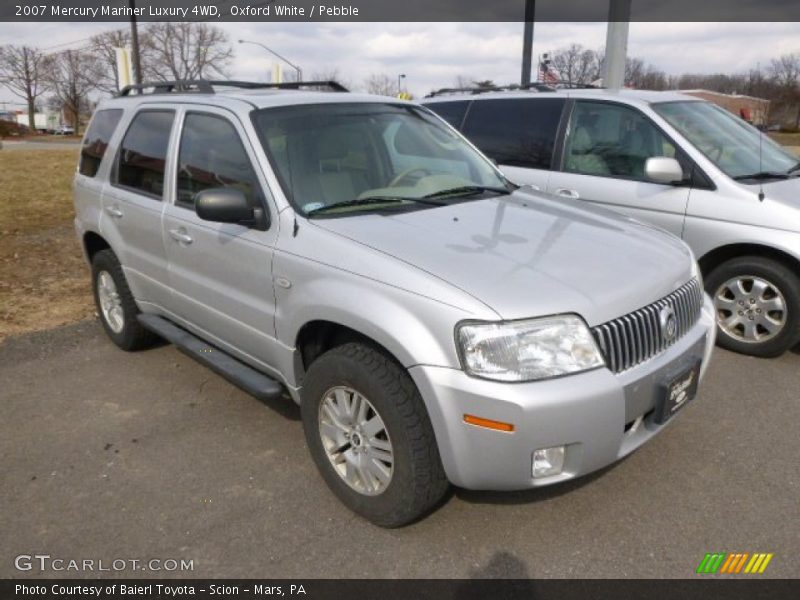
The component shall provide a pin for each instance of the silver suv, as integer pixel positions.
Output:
(670, 159)
(436, 324)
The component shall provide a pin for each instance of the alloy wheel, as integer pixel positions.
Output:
(356, 441)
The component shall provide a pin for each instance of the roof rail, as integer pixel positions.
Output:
(206, 86)
(536, 86)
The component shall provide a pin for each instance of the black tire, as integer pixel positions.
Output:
(780, 276)
(132, 336)
(418, 481)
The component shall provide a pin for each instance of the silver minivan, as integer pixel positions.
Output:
(677, 162)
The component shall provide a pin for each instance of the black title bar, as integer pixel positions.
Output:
(377, 589)
(395, 10)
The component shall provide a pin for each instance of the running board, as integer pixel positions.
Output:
(253, 382)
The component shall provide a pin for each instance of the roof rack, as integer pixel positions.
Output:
(206, 86)
(539, 87)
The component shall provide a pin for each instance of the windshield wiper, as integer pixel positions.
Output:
(370, 200)
(762, 175)
(466, 190)
(794, 169)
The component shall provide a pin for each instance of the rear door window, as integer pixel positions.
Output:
(452, 112)
(143, 153)
(518, 132)
(96, 140)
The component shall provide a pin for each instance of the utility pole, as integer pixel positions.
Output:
(619, 16)
(527, 41)
(137, 62)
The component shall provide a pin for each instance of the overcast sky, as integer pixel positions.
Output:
(432, 55)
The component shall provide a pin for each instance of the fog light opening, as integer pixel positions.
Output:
(548, 461)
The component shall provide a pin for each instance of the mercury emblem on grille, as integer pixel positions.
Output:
(669, 324)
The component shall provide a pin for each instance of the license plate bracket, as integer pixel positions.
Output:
(677, 392)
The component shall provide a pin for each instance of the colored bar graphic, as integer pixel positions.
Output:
(734, 563)
(711, 562)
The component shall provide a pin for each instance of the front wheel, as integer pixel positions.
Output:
(757, 301)
(370, 436)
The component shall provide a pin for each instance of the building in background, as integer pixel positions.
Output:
(751, 109)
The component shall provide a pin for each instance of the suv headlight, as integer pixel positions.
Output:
(527, 350)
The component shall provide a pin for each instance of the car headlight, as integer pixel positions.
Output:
(527, 350)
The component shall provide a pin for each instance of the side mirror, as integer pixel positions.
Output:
(661, 169)
(228, 205)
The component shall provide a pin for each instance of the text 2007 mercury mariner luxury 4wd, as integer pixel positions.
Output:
(435, 323)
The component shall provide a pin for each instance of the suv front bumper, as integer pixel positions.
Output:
(594, 414)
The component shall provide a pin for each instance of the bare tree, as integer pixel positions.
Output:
(185, 51)
(70, 75)
(575, 65)
(644, 76)
(22, 71)
(463, 82)
(330, 74)
(785, 72)
(381, 84)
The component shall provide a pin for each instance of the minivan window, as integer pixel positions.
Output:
(371, 156)
(143, 152)
(212, 155)
(518, 132)
(736, 147)
(612, 140)
(452, 112)
(96, 140)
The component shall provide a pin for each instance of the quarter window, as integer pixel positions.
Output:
(96, 140)
(143, 153)
(612, 140)
(518, 132)
(212, 156)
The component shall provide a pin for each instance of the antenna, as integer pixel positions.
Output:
(760, 164)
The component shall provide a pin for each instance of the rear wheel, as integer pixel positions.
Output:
(370, 436)
(115, 304)
(757, 301)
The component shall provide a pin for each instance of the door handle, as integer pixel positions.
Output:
(567, 193)
(114, 212)
(180, 236)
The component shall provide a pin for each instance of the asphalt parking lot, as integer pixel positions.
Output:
(111, 455)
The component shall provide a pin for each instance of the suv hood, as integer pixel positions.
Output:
(527, 255)
(786, 192)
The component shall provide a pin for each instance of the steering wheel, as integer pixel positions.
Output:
(402, 175)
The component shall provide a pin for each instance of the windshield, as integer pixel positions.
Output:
(341, 158)
(728, 141)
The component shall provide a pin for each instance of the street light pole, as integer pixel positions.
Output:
(400, 85)
(271, 51)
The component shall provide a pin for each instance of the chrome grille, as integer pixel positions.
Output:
(636, 337)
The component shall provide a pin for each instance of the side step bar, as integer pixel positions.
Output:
(253, 382)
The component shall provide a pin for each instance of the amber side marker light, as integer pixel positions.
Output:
(488, 423)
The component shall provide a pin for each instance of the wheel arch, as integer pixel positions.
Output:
(316, 337)
(93, 243)
(714, 258)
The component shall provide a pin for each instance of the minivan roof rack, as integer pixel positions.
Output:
(206, 86)
(536, 86)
